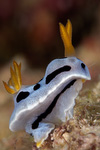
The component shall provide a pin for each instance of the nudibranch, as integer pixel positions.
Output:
(39, 107)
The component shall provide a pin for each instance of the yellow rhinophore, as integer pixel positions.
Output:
(15, 82)
(66, 35)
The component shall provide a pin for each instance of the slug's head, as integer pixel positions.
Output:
(66, 69)
(15, 82)
(66, 35)
(70, 66)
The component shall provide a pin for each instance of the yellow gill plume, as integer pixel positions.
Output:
(66, 35)
(15, 82)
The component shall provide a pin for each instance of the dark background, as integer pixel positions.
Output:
(31, 28)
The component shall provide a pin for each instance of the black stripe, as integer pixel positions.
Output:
(36, 87)
(21, 96)
(56, 72)
(52, 105)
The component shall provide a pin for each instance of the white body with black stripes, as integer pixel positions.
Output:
(38, 108)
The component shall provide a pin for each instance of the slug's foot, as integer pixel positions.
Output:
(41, 132)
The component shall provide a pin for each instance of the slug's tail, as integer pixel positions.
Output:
(66, 35)
(15, 82)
